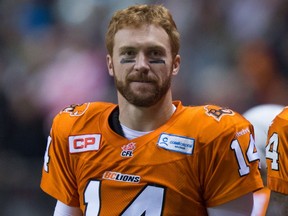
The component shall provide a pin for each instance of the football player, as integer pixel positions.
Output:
(277, 160)
(261, 117)
(148, 154)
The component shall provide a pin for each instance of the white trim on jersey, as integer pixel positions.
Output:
(132, 134)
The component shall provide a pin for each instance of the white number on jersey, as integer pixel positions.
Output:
(92, 198)
(251, 154)
(46, 156)
(148, 202)
(272, 151)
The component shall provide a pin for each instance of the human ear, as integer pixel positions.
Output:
(176, 65)
(110, 65)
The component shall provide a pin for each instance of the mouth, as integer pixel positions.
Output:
(142, 84)
(142, 80)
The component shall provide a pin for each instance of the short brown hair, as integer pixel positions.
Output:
(138, 15)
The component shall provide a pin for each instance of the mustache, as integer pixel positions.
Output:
(141, 78)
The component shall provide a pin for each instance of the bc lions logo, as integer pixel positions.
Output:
(76, 109)
(217, 112)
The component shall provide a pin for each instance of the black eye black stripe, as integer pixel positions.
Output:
(158, 61)
(123, 61)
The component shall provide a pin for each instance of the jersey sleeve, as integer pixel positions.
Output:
(58, 179)
(229, 163)
(277, 154)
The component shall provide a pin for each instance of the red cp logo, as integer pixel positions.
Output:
(81, 143)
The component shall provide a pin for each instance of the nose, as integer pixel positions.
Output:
(142, 63)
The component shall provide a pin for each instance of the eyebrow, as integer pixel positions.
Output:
(125, 48)
(154, 47)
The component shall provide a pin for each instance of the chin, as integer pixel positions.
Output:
(143, 102)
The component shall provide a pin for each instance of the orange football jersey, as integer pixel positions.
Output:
(202, 157)
(277, 153)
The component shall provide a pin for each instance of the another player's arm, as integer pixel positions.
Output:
(62, 209)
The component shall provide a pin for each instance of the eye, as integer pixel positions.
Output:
(156, 53)
(128, 53)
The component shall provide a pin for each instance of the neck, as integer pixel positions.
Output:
(146, 118)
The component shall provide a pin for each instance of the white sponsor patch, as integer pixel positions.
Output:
(83, 143)
(176, 143)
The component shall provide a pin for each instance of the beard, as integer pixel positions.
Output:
(143, 96)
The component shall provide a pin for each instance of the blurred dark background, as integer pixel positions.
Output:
(52, 54)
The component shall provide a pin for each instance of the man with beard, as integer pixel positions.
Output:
(149, 155)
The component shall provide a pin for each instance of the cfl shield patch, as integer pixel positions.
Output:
(127, 150)
(176, 143)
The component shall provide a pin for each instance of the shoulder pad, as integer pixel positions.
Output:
(217, 112)
(76, 109)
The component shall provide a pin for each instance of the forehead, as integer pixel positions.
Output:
(145, 35)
